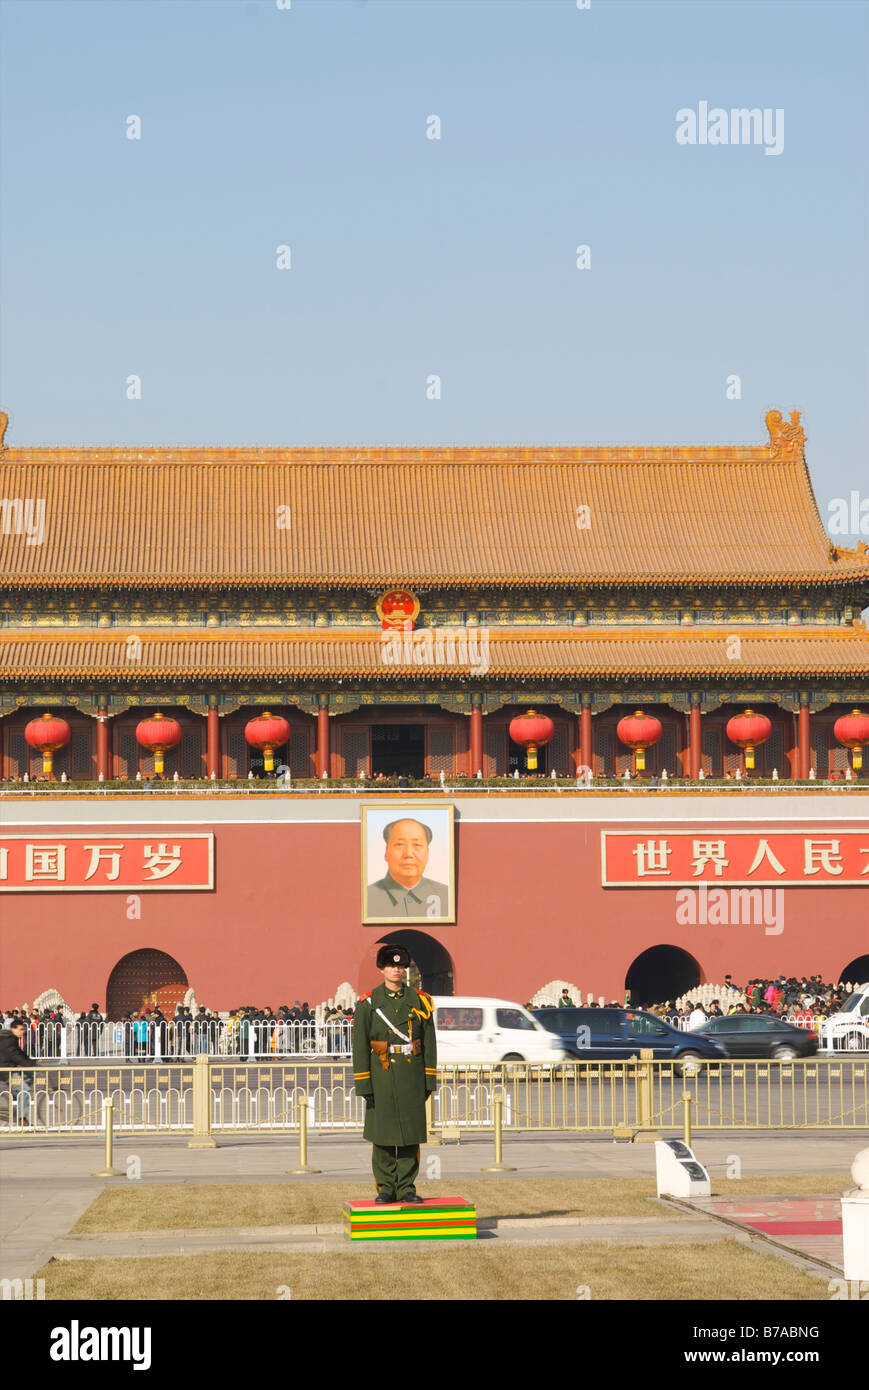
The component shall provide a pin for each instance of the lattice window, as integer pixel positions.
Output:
(355, 749)
(840, 759)
(624, 759)
(711, 760)
(191, 754)
(18, 754)
(81, 758)
(127, 754)
(774, 752)
(300, 763)
(604, 759)
(441, 751)
(667, 757)
(235, 755)
(558, 754)
(495, 757)
(820, 752)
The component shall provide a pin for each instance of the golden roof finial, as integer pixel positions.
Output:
(785, 440)
(4, 423)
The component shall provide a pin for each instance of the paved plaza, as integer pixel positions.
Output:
(47, 1186)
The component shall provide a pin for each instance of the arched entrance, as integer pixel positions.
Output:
(431, 968)
(145, 979)
(660, 973)
(857, 973)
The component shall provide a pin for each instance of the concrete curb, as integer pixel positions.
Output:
(333, 1228)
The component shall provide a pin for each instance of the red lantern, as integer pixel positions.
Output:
(639, 731)
(158, 734)
(531, 731)
(47, 734)
(853, 730)
(267, 732)
(747, 731)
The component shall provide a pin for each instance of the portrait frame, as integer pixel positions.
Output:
(440, 865)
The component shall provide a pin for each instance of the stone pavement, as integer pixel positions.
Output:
(46, 1184)
(808, 1225)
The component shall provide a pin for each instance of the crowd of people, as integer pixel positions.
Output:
(252, 1030)
(803, 1000)
(809, 997)
(248, 1030)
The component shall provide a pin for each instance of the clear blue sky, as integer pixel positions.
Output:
(410, 257)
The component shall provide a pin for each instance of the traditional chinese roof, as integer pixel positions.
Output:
(632, 654)
(148, 518)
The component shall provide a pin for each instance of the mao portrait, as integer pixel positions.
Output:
(408, 870)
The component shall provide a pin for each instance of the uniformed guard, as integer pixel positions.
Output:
(395, 1069)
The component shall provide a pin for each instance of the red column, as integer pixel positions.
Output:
(695, 741)
(804, 741)
(212, 742)
(585, 735)
(476, 737)
(323, 736)
(104, 754)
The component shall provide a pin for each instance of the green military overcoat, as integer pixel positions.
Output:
(397, 1115)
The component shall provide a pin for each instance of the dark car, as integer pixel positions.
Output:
(759, 1035)
(617, 1034)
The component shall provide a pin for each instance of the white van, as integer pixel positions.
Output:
(848, 1030)
(472, 1029)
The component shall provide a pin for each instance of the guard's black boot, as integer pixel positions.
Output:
(410, 1198)
(385, 1199)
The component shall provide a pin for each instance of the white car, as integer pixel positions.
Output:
(848, 1030)
(473, 1029)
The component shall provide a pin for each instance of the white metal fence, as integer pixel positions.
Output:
(265, 1040)
(145, 1040)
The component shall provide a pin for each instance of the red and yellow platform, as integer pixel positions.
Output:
(435, 1218)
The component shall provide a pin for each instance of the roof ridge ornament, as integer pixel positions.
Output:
(785, 440)
(4, 425)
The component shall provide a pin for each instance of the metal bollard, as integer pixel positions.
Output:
(686, 1118)
(304, 1166)
(201, 1138)
(499, 1166)
(109, 1120)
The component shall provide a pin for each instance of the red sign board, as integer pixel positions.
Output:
(678, 858)
(106, 863)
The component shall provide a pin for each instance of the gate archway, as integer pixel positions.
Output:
(660, 973)
(431, 965)
(856, 973)
(145, 979)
